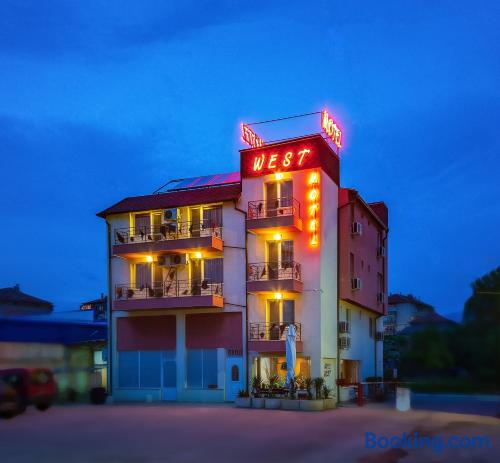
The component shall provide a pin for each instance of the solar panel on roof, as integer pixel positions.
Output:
(206, 180)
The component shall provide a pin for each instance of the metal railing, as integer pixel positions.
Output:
(274, 271)
(272, 331)
(273, 208)
(174, 288)
(166, 231)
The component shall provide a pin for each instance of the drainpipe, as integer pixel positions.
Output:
(109, 312)
(246, 294)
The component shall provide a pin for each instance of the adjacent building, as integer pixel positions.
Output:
(206, 278)
(402, 310)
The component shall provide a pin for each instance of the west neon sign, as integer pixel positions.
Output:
(331, 128)
(250, 137)
(271, 162)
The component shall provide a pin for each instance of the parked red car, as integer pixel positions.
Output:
(34, 386)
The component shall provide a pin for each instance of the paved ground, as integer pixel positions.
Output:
(200, 433)
(487, 405)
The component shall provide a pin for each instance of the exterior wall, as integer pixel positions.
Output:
(364, 348)
(367, 265)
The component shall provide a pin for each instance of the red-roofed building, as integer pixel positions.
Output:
(207, 278)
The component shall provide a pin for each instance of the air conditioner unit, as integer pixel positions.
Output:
(344, 327)
(356, 283)
(344, 342)
(380, 297)
(356, 228)
(172, 260)
(170, 215)
(381, 251)
(379, 336)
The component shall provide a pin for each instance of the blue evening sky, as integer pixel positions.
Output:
(105, 99)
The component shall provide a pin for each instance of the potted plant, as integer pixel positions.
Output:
(318, 385)
(290, 403)
(243, 400)
(312, 404)
(257, 399)
(328, 402)
(271, 401)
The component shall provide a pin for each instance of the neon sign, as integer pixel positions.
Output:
(313, 208)
(279, 161)
(331, 128)
(250, 137)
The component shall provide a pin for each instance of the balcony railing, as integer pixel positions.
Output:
(273, 208)
(166, 231)
(174, 288)
(274, 271)
(272, 331)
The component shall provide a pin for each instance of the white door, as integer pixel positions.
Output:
(234, 377)
(169, 375)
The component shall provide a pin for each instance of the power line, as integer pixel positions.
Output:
(284, 118)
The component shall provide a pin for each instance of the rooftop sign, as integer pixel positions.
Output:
(250, 137)
(331, 128)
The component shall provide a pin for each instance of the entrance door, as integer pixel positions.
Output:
(272, 259)
(234, 377)
(169, 375)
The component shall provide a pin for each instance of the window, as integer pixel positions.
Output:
(213, 270)
(235, 373)
(201, 368)
(128, 363)
(371, 327)
(142, 275)
(212, 217)
(286, 254)
(288, 311)
(150, 369)
(281, 311)
(278, 197)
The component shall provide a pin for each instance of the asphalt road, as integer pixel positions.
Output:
(199, 433)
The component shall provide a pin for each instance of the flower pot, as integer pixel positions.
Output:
(243, 402)
(290, 404)
(311, 405)
(258, 402)
(273, 404)
(328, 404)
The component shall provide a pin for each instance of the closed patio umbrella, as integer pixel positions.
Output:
(291, 352)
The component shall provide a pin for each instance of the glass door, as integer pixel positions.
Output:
(273, 259)
(271, 199)
(195, 225)
(169, 375)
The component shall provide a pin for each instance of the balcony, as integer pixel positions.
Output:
(274, 277)
(277, 215)
(176, 294)
(168, 237)
(271, 337)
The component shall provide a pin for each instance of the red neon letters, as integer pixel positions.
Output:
(331, 129)
(280, 161)
(313, 208)
(250, 137)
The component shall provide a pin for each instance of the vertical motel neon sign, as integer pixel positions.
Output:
(250, 137)
(331, 128)
(313, 208)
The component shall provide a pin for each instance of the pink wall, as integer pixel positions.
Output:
(212, 330)
(146, 333)
(367, 264)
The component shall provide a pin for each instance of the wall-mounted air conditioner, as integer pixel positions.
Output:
(344, 342)
(172, 260)
(170, 215)
(344, 327)
(356, 283)
(356, 228)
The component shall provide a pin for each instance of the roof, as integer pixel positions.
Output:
(16, 296)
(206, 180)
(177, 198)
(378, 210)
(408, 299)
(432, 319)
(51, 331)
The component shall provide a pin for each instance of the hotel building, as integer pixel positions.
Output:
(205, 278)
